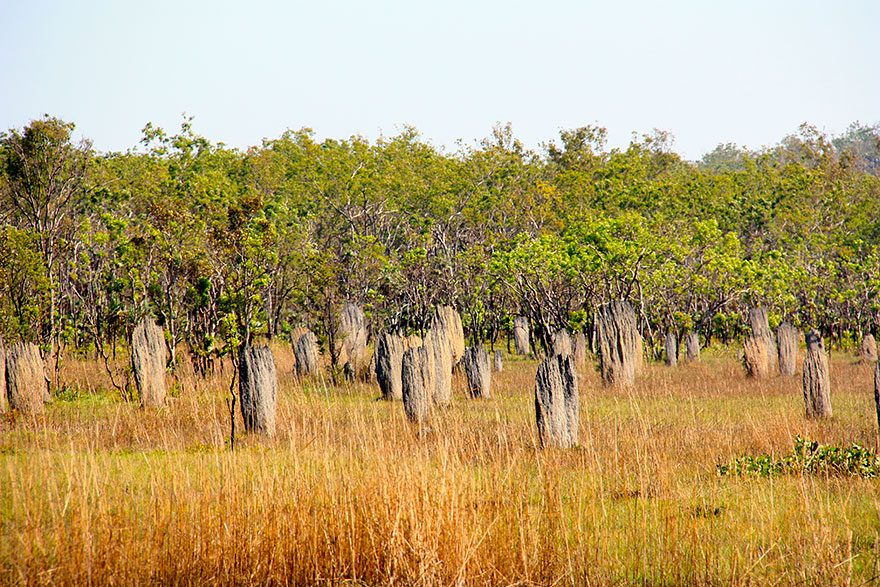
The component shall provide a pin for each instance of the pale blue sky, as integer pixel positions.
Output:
(742, 71)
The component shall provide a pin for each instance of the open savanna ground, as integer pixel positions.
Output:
(100, 491)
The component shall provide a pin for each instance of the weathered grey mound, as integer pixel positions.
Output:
(869, 348)
(498, 363)
(353, 328)
(692, 346)
(441, 352)
(562, 343)
(521, 335)
(448, 322)
(306, 352)
(620, 344)
(557, 402)
(877, 394)
(580, 350)
(389, 358)
(787, 339)
(258, 389)
(671, 347)
(817, 383)
(417, 379)
(755, 358)
(26, 386)
(148, 356)
(476, 367)
(4, 402)
(763, 336)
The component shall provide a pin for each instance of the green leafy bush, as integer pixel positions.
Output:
(809, 458)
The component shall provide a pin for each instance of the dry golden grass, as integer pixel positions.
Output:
(348, 493)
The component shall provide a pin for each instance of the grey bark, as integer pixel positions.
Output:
(417, 382)
(817, 383)
(787, 340)
(148, 357)
(4, 402)
(448, 322)
(562, 343)
(521, 335)
(389, 358)
(869, 348)
(258, 389)
(692, 346)
(557, 409)
(580, 350)
(441, 351)
(619, 343)
(476, 367)
(27, 388)
(671, 348)
(498, 362)
(306, 352)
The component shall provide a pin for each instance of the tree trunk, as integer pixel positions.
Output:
(671, 347)
(417, 382)
(692, 346)
(476, 367)
(148, 360)
(557, 402)
(619, 343)
(817, 384)
(306, 352)
(258, 389)
(26, 384)
(787, 339)
(521, 335)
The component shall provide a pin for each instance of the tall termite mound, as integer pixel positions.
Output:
(580, 350)
(27, 389)
(498, 362)
(476, 367)
(306, 352)
(562, 343)
(353, 328)
(869, 348)
(670, 345)
(692, 346)
(787, 341)
(4, 402)
(448, 322)
(148, 356)
(389, 361)
(619, 343)
(817, 383)
(521, 335)
(258, 389)
(759, 350)
(417, 382)
(557, 402)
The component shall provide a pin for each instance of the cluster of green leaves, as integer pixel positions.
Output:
(808, 458)
(224, 245)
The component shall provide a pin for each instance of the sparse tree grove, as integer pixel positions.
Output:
(222, 247)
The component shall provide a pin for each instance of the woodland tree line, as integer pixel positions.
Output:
(224, 246)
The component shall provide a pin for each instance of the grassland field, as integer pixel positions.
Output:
(99, 491)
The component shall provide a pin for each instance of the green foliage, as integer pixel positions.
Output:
(808, 458)
(24, 285)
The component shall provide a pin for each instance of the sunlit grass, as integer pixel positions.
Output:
(98, 490)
